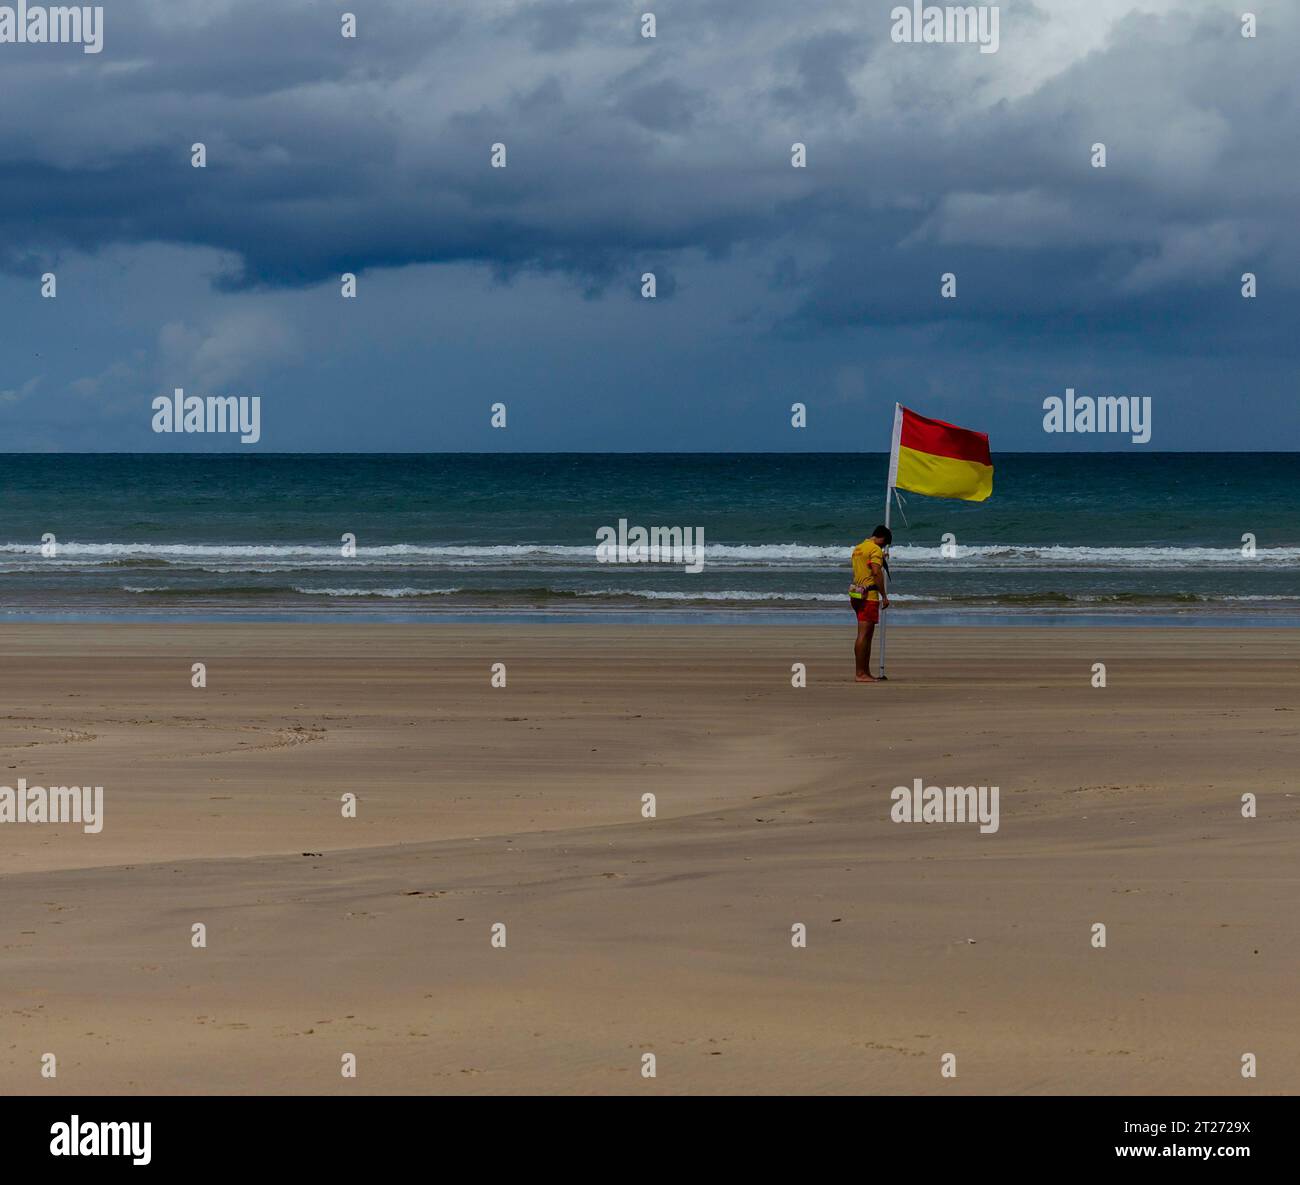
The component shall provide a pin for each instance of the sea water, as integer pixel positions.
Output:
(1204, 536)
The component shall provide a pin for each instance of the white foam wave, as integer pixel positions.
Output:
(270, 558)
(376, 592)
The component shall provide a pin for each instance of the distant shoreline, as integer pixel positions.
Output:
(1208, 618)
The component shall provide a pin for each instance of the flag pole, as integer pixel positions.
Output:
(890, 477)
(883, 617)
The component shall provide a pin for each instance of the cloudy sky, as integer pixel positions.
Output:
(625, 155)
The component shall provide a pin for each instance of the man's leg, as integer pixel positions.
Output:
(862, 651)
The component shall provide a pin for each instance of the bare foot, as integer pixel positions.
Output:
(865, 679)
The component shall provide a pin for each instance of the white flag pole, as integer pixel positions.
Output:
(890, 479)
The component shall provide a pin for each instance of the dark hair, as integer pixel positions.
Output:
(883, 532)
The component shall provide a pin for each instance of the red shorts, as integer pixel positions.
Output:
(866, 610)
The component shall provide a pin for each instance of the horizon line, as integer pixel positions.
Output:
(266, 453)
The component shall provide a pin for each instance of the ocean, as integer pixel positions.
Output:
(1120, 535)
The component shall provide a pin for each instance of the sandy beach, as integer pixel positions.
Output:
(522, 805)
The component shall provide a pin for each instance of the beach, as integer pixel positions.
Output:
(524, 805)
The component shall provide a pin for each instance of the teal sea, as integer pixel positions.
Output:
(262, 535)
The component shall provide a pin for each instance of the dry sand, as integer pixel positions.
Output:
(673, 935)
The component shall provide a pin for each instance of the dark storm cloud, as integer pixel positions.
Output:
(662, 106)
(327, 155)
(822, 66)
(554, 25)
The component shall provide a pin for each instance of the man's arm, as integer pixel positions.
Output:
(878, 576)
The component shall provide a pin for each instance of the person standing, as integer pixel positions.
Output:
(868, 596)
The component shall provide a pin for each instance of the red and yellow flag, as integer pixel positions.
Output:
(942, 460)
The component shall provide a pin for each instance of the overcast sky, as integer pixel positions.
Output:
(625, 155)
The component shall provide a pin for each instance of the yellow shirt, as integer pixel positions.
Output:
(864, 555)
